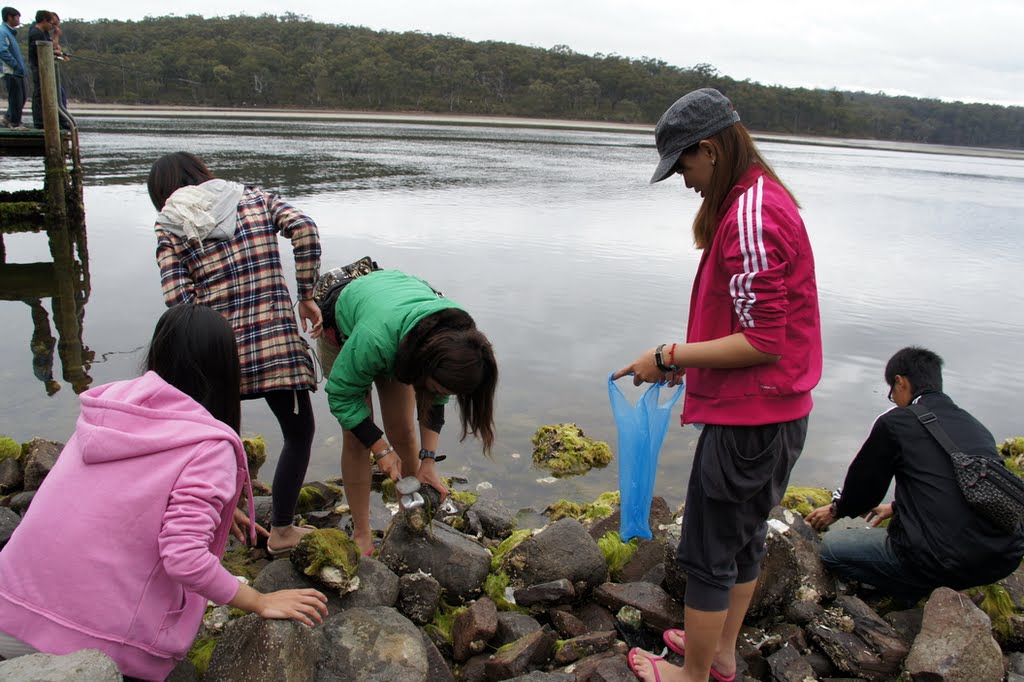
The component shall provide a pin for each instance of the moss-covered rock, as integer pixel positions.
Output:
(444, 620)
(505, 546)
(995, 601)
(464, 497)
(805, 500)
(329, 556)
(200, 653)
(255, 454)
(601, 508)
(1012, 451)
(564, 450)
(9, 448)
(616, 552)
(239, 561)
(314, 497)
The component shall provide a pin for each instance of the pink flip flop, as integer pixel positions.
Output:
(637, 651)
(681, 650)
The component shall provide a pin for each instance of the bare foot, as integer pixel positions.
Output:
(724, 665)
(650, 668)
(364, 541)
(283, 538)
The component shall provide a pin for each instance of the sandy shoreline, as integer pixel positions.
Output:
(150, 111)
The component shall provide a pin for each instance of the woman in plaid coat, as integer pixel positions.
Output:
(217, 246)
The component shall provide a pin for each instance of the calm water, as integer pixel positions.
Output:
(571, 264)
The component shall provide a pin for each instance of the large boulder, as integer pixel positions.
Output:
(378, 586)
(282, 575)
(372, 644)
(11, 476)
(39, 458)
(8, 522)
(816, 583)
(562, 550)
(657, 609)
(87, 664)
(496, 520)
(458, 562)
(254, 649)
(955, 643)
(858, 640)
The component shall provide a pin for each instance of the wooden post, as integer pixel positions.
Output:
(55, 170)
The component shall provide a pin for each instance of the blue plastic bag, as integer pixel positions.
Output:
(642, 430)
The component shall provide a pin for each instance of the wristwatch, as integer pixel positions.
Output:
(430, 454)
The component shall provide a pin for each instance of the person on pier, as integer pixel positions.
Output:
(12, 66)
(217, 244)
(751, 357)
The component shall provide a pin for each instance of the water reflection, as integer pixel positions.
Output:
(65, 282)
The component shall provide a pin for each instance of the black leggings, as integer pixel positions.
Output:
(294, 413)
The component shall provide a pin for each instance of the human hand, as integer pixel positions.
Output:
(878, 514)
(429, 474)
(391, 465)
(305, 605)
(310, 318)
(645, 370)
(240, 526)
(821, 518)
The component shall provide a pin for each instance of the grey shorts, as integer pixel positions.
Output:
(739, 474)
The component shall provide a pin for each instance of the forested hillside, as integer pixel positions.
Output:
(293, 62)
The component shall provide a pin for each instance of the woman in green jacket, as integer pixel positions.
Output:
(418, 348)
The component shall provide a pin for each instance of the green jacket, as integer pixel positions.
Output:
(375, 312)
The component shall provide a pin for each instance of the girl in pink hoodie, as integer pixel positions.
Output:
(120, 550)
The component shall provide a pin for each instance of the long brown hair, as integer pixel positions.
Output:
(173, 171)
(447, 347)
(735, 152)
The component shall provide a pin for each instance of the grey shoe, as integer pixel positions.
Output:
(4, 123)
(19, 127)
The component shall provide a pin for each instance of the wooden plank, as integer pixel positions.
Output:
(27, 280)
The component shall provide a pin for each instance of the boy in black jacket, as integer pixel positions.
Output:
(934, 537)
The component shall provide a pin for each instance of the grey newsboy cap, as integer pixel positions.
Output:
(694, 117)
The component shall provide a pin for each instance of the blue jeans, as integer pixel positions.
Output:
(866, 556)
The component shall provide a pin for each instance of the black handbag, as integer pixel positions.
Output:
(330, 284)
(989, 487)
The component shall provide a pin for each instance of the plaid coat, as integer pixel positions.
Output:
(242, 278)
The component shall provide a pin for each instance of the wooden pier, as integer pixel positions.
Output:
(56, 208)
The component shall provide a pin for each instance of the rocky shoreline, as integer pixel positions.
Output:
(474, 597)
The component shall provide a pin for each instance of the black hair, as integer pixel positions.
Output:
(8, 12)
(43, 15)
(173, 171)
(194, 350)
(447, 347)
(920, 366)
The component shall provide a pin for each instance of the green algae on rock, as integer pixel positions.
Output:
(201, 652)
(564, 450)
(255, 454)
(10, 448)
(805, 500)
(616, 552)
(328, 555)
(601, 508)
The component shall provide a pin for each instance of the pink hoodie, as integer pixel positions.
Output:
(120, 548)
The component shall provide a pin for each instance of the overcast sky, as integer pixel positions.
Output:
(966, 50)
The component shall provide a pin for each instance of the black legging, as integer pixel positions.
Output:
(294, 413)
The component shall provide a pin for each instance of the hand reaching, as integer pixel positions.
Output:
(240, 527)
(310, 318)
(878, 514)
(821, 518)
(305, 606)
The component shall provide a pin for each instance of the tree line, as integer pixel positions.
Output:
(292, 61)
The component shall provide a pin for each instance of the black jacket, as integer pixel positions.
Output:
(933, 529)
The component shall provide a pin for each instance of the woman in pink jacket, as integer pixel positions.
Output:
(120, 549)
(751, 357)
